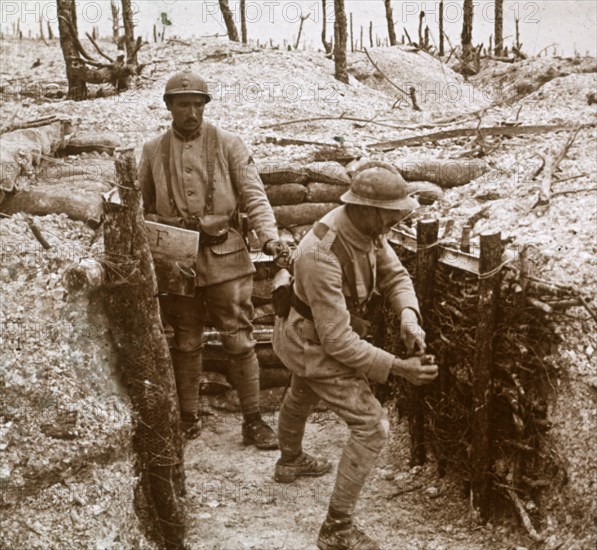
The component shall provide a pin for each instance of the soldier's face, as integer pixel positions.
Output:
(389, 218)
(187, 111)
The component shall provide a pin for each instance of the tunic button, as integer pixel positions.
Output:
(189, 192)
(187, 146)
(187, 170)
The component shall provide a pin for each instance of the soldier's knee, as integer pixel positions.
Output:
(375, 432)
(189, 344)
(238, 347)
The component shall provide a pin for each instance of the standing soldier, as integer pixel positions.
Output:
(339, 264)
(194, 176)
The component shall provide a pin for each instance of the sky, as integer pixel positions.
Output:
(571, 24)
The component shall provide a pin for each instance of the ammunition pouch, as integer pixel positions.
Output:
(282, 293)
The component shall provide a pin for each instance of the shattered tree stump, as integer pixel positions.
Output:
(130, 292)
(483, 366)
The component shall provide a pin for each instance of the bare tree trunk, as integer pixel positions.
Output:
(499, 28)
(441, 28)
(327, 46)
(341, 72)
(390, 21)
(129, 32)
(421, 19)
(115, 11)
(300, 31)
(467, 33)
(50, 32)
(243, 22)
(41, 30)
(228, 20)
(67, 24)
(371, 34)
(351, 35)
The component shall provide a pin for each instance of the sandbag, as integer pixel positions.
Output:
(324, 192)
(276, 172)
(301, 214)
(327, 172)
(426, 192)
(445, 173)
(21, 150)
(299, 231)
(102, 142)
(286, 193)
(76, 203)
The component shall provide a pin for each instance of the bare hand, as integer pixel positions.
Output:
(280, 250)
(411, 332)
(417, 370)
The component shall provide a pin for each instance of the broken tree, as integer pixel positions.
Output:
(81, 68)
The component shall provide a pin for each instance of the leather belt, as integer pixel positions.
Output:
(301, 307)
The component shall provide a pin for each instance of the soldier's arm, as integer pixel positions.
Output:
(246, 180)
(146, 183)
(321, 277)
(394, 281)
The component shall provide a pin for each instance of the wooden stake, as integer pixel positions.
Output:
(482, 370)
(465, 240)
(371, 34)
(427, 235)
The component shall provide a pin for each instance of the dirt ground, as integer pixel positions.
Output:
(238, 505)
(57, 365)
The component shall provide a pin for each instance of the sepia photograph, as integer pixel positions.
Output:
(298, 274)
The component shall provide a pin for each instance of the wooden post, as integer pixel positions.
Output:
(427, 235)
(371, 34)
(143, 357)
(421, 19)
(482, 371)
(362, 37)
(465, 240)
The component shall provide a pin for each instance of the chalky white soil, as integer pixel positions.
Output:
(58, 369)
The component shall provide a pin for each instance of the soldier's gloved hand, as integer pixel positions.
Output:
(411, 332)
(280, 251)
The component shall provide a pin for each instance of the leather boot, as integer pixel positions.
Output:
(244, 375)
(344, 535)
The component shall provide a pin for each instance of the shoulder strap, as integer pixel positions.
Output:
(320, 230)
(166, 164)
(346, 262)
(211, 137)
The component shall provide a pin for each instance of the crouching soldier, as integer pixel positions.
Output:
(193, 176)
(339, 264)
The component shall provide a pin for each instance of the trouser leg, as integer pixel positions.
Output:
(187, 372)
(244, 374)
(184, 314)
(231, 309)
(294, 412)
(351, 398)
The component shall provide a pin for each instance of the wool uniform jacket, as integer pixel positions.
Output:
(328, 346)
(235, 179)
